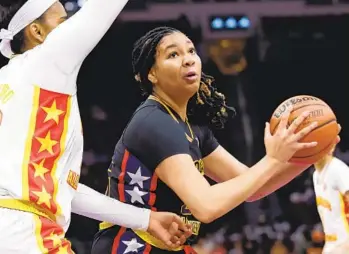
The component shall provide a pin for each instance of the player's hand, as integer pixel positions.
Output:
(284, 143)
(169, 228)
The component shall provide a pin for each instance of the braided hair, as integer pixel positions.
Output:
(207, 107)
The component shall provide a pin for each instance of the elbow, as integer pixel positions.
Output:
(205, 217)
(207, 214)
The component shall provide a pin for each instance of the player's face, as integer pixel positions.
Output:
(54, 16)
(39, 30)
(177, 69)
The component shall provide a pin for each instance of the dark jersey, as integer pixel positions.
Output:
(154, 133)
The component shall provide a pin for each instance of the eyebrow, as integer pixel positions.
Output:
(174, 45)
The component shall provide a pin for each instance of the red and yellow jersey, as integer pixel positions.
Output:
(41, 141)
(330, 185)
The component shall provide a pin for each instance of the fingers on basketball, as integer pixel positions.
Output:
(325, 133)
(284, 120)
(305, 131)
(298, 121)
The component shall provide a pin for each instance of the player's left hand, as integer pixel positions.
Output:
(169, 228)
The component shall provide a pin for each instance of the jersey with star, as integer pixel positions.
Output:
(152, 135)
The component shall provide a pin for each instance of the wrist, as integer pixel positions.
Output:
(274, 163)
(146, 218)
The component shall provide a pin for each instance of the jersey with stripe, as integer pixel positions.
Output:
(41, 142)
(41, 135)
(153, 134)
(331, 185)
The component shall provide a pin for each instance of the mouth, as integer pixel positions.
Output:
(191, 76)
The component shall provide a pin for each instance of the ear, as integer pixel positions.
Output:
(36, 32)
(152, 76)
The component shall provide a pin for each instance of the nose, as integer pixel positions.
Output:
(188, 61)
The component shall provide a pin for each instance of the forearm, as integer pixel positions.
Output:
(278, 180)
(227, 195)
(90, 203)
(70, 43)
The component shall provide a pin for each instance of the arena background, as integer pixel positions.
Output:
(260, 52)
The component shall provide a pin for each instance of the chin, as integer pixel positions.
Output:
(194, 87)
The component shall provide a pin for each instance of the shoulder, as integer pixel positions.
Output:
(201, 131)
(153, 135)
(36, 69)
(335, 170)
(150, 124)
(150, 119)
(338, 167)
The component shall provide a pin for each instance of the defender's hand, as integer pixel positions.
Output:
(169, 228)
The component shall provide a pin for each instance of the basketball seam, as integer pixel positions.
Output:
(323, 124)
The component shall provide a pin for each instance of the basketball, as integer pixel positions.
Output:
(324, 134)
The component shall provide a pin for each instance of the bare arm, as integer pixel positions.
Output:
(161, 144)
(69, 44)
(221, 166)
(180, 174)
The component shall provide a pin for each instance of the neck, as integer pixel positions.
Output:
(28, 46)
(179, 106)
(319, 166)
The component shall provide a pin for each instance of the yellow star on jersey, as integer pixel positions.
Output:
(47, 143)
(55, 238)
(44, 197)
(63, 250)
(52, 113)
(40, 170)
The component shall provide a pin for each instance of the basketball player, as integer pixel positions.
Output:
(331, 184)
(41, 140)
(161, 157)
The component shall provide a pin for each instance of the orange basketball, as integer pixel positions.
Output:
(325, 133)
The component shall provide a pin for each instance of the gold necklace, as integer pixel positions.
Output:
(152, 97)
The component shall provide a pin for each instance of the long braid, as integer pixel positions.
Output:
(207, 107)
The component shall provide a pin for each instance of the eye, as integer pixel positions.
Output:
(192, 51)
(173, 55)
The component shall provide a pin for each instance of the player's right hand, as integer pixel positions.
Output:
(169, 228)
(284, 143)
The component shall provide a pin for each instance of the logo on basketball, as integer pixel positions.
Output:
(291, 102)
